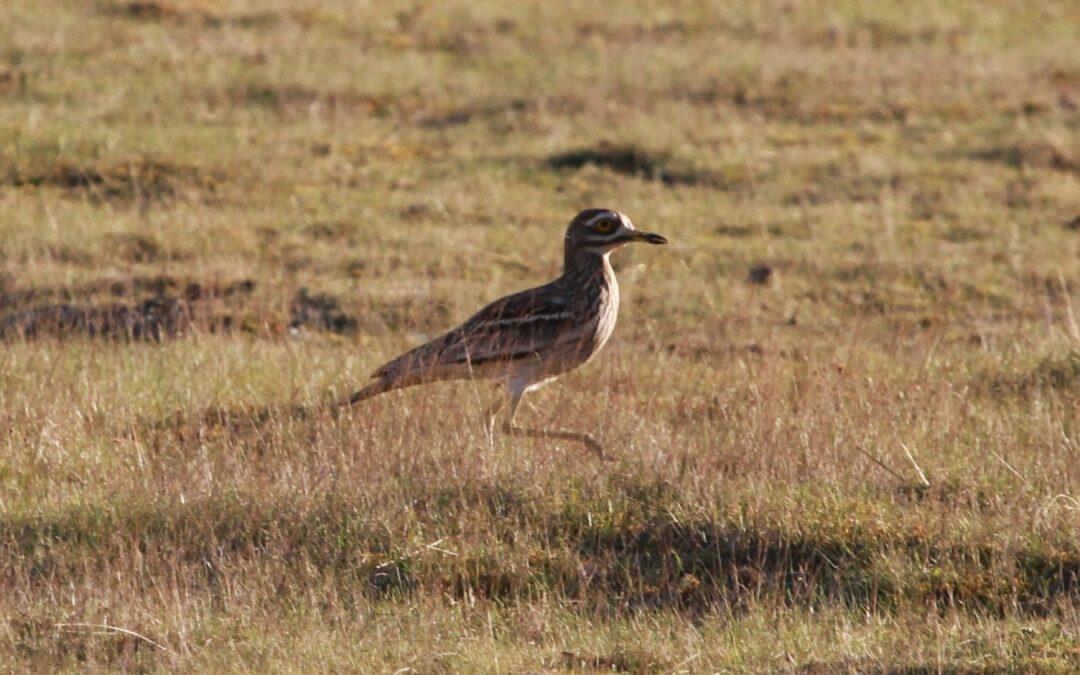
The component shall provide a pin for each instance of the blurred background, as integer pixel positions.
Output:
(916, 162)
(844, 398)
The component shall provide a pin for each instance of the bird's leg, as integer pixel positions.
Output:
(489, 416)
(578, 437)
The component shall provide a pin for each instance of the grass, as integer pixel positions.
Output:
(844, 400)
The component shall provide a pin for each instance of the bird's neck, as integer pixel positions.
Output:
(581, 265)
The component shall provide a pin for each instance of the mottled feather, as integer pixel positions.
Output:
(531, 336)
(517, 326)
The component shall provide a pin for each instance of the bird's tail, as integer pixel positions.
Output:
(388, 381)
(377, 387)
(300, 412)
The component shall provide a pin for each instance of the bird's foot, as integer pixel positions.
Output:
(588, 441)
(594, 446)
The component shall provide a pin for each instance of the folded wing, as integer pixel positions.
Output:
(516, 327)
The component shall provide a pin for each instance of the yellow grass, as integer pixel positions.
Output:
(863, 456)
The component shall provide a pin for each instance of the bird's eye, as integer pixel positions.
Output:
(604, 226)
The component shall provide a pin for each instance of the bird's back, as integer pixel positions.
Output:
(531, 335)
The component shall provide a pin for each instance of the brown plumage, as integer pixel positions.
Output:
(528, 338)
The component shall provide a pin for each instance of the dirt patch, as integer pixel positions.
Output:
(790, 98)
(630, 160)
(161, 307)
(760, 274)
(734, 231)
(142, 180)
(320, 311)
(331, 230)
(153, 319)
(462, 116)
(325, 312)
(960, 234)
(14, 298)
(417, 212)
(13, 81)
(619, 662)
(156, 11)
(501, 109)
(150, 309)
(144, 10)
(297, 98)
(1031, 155)
(138, 248)
(879, 35)
(1059, 373)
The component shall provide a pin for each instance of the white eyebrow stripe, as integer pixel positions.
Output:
(557, 316)
(603, 214)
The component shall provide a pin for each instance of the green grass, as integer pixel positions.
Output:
(213, 212)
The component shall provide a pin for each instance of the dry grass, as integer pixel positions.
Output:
(214, 212)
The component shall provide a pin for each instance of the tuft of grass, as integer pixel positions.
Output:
(143, 180)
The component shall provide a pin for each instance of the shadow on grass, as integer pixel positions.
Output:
(630, 160)
(155, 11)
(140, 180)
(612, 555)
(151, 309)
(1058, 373)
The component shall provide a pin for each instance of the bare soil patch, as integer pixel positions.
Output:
(1031, 155)
(630, 160)
(292, 99)
(560, 105)
(156, 11)
(141, 308)
(140, 179)
(320, 311)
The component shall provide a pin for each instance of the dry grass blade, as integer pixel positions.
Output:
(1070, 318)
(433, 546)
(1011, 469)
(882, 464)
(107, 629)
(217, 217)
(918, 469)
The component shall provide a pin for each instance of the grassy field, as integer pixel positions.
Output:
(845, 401)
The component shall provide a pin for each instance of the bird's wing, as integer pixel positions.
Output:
(514, 327)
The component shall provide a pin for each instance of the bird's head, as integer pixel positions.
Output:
(601, 231)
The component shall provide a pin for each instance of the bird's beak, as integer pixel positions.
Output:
(647, 237)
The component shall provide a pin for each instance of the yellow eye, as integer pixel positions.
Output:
(604, 226)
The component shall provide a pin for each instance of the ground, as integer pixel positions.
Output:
(843, 401)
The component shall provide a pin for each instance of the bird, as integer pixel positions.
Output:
(525, 340)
